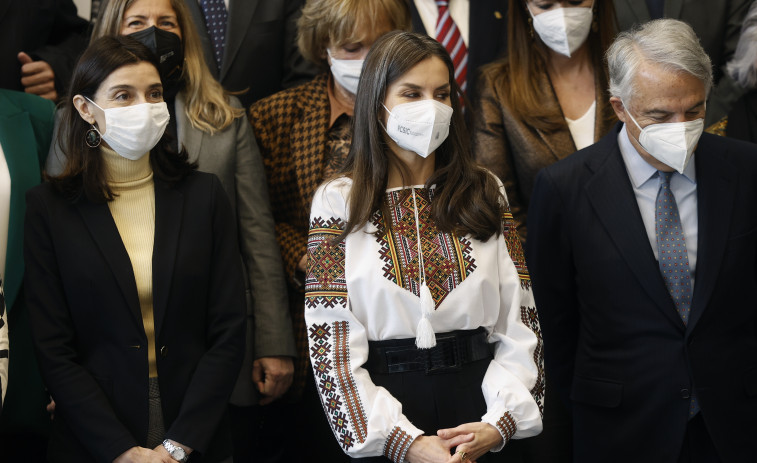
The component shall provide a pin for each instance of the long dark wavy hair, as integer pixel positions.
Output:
(467, 199)
(84, 170)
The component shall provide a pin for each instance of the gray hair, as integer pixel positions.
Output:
(666, 42)
(743, 67)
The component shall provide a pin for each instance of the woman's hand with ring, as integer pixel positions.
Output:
(472, 440)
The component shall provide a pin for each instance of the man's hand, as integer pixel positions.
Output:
(478, 438)
(143, 455)
(37, 77)
(272, 376)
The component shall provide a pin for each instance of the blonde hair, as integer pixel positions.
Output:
(207, 103)
(335, 22)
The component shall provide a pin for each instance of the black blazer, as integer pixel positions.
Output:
(87, 325)
(261, 52)
(614, 342)
(487, 39)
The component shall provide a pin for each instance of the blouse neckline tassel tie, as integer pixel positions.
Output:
(425, 337)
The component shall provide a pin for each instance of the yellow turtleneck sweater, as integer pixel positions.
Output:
(133, 211)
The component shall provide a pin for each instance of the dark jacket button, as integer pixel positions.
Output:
(685, 394)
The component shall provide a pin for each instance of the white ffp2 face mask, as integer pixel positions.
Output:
(420, 126)
(132, 131)
(671, 143)
(563, 30)
(346, 72)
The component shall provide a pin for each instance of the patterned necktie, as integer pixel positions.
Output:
(672, 255)
(215, 15)
(448, 35)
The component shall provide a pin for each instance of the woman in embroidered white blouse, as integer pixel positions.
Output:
(424, 338)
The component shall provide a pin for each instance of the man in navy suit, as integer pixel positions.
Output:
(642, 250)
(483, 26)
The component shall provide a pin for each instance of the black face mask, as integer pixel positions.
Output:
(168, 48)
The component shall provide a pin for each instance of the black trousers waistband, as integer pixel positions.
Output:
(452, 351)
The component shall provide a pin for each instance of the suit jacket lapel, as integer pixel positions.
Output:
(307, 152)
(715, 196)
(559, 142)
(611, 194)
(240, 17)
(104, 232)
(169, 209)
(415, 17)
(189, 138)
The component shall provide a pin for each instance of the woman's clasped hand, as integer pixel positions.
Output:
(468, 442)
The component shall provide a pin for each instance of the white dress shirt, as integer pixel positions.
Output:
(458, 9)
(646, 184)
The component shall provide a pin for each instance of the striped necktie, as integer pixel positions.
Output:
(448, 35)
(215, 15)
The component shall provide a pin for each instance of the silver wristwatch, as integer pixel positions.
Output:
(176, 452)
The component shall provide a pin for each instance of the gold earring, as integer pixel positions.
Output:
(531, 27)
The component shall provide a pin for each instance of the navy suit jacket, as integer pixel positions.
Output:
(261, 55)
(87, 323)
(614, 342)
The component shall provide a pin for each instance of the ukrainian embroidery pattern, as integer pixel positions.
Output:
(397, 444)
(325, 282)
(448, 258)
(515, 249)
(345, 412)
(530, 318)
(506, 426)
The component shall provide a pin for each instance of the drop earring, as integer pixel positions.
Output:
(531, 27)
(92, 137)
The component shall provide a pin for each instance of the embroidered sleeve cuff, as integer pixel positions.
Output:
(506, 426)
(398, 442)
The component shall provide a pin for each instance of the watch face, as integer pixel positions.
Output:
(178, 453)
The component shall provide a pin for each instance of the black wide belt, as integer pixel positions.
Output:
(452, 351)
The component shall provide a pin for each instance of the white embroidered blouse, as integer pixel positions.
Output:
(366, 288)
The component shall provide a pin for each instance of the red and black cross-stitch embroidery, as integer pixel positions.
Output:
(448, 259)
(530, 318)
(325, 282)
(331, 367)
(515, 249)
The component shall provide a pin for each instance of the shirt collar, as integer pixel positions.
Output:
(639, 170)
(336, 106)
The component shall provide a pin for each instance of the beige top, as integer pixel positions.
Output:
(133, 211)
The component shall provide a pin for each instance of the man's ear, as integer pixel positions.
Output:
(619, 108)
(84, 107)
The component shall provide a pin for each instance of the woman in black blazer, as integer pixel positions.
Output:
(133, 277)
